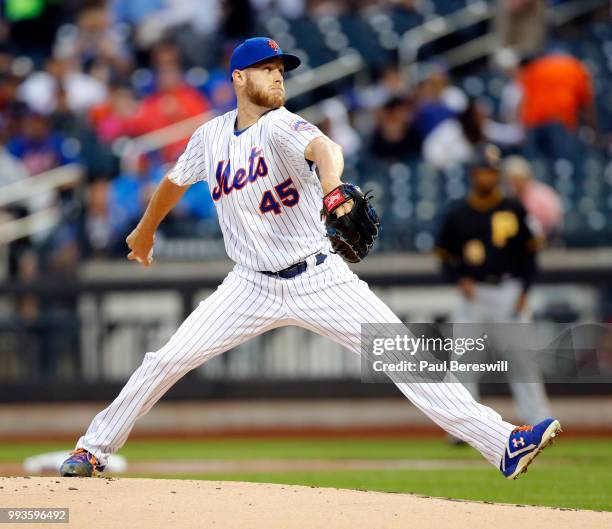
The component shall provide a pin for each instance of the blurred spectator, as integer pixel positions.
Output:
(444, 119)
(337, 126)
(173, 101)
(12, 109)
(507, 130)
(39, 148)
(104, 225)
(390, 84)
(436, 86)
(443, 141)
(540, 200)
(508, 62)
(521, 24)
(97, 42)
(218, 87)
(9, 89)
(557, 91)
(41, 90)
(12, 170)
(95, 156)
(109, 118)
(478, 128)
(472, 121)
(394, 137)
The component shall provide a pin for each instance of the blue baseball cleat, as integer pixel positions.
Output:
(81, 464)
(525, 443)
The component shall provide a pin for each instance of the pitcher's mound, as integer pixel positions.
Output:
(151, 503)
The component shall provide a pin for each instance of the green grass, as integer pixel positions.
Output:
(576, 486)
(574, 473)
(593, 450)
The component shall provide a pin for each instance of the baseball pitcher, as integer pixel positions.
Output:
(289, 224)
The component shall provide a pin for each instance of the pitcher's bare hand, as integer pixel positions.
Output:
(141, 242)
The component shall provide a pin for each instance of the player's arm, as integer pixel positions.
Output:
(189, 169)
(141, 240)
(328, 157)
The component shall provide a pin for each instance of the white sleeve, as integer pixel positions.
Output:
(292, 134)
(191, 166)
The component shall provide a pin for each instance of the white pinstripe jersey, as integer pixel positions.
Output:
(267, 196)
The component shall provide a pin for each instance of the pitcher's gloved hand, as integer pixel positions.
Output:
(351, 234)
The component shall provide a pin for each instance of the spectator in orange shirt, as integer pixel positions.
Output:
(557, 92)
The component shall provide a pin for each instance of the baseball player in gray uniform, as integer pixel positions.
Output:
(488, 247)
(271, 174)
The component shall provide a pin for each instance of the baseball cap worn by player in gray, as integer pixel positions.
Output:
(259, 49)
(486, 157)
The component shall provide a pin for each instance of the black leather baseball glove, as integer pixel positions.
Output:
(352, 234)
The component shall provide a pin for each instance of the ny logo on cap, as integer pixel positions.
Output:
(273, 45)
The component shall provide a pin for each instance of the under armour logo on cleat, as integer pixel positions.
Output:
(520, 441)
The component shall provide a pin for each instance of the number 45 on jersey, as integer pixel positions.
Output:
(283, 194)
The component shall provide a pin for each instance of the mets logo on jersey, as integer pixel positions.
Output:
(299, 125)
(226, 182)
(273, 45)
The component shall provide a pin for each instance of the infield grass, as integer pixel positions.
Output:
(597, 451)
(574, 473)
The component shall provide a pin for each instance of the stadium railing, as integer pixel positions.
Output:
(483, 46)
(60, 177)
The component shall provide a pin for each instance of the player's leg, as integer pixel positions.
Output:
(468, 311)
(495, 305)
(244, 306)
(525, 378)
(330, 300)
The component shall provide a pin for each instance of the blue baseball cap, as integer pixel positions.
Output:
(259, 49)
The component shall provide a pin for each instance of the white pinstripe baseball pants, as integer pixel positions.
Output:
(327, 299)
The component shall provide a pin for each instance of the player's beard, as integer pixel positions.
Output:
(263, 98)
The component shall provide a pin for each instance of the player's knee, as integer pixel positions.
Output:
(172, 359)
(159, 360)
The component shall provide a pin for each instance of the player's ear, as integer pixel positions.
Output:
(239, 77)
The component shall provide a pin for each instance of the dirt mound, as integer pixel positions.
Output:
(149, 503)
